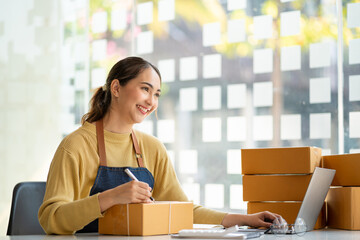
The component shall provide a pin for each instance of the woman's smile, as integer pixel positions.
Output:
(142, 109)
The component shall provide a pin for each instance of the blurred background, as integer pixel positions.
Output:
(236, 74)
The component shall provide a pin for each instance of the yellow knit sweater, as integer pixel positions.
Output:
(67, 206)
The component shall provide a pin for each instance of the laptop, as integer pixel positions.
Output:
(314, 198)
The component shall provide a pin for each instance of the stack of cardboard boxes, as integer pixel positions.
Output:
(343, 199)
(276, 180)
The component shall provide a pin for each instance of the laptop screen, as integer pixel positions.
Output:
(315, 196)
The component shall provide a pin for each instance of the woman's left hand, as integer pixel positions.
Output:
(260, 219)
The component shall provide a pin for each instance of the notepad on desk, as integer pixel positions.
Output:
(216, 233)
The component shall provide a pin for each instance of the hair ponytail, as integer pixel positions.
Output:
(99, 104)
(124, 71)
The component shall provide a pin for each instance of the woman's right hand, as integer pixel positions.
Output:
(130, 192)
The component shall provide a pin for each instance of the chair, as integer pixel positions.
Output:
(26, 200)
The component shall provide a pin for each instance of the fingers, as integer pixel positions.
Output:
(141, 199)
(266, 224)
(132, 192)
(141, 184)
(141, 191)
(271, 216)
(142, 188)
(144, 185)
(264, 219)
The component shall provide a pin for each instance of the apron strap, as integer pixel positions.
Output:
(137, 150)
(101, 145)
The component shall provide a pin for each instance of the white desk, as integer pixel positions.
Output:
(328, 234)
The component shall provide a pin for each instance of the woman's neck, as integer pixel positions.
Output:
(116, 124)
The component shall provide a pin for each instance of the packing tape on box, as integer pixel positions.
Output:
(169, 217)
(128, 221)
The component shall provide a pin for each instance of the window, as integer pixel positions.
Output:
(236, 74)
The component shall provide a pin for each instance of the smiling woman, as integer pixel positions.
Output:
(87, 175)
(146, 75)
(133, 102)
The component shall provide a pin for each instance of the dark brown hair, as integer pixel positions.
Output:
(124, 71)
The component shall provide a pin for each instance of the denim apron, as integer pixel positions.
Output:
(111, 177)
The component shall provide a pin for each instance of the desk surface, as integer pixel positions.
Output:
(328, 234)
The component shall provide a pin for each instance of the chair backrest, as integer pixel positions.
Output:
(26, 201)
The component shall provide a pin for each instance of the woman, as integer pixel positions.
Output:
(87, 177)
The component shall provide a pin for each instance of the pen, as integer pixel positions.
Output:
(267, 230)
(132, 176)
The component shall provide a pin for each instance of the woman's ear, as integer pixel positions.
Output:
(115, 87)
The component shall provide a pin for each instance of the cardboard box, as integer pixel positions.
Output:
(344, 208)
(146, 219)
(288, 210)
(347, 169)
(257, 188)
(298, 160)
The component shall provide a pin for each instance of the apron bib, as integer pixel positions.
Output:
(111, 177)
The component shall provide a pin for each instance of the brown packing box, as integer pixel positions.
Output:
(275, 187)
(146, 219)
(288, 210)
(344, 208)
(347, 169)
(280, 160)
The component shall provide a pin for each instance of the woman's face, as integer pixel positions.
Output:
(139, 97)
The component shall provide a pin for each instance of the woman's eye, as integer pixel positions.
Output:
(145, 88)
(157, 95)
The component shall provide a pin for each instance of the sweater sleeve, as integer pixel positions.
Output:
(167, 188)
(65, 208)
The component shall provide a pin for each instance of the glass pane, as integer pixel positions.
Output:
(351, 66)
(236, 74)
